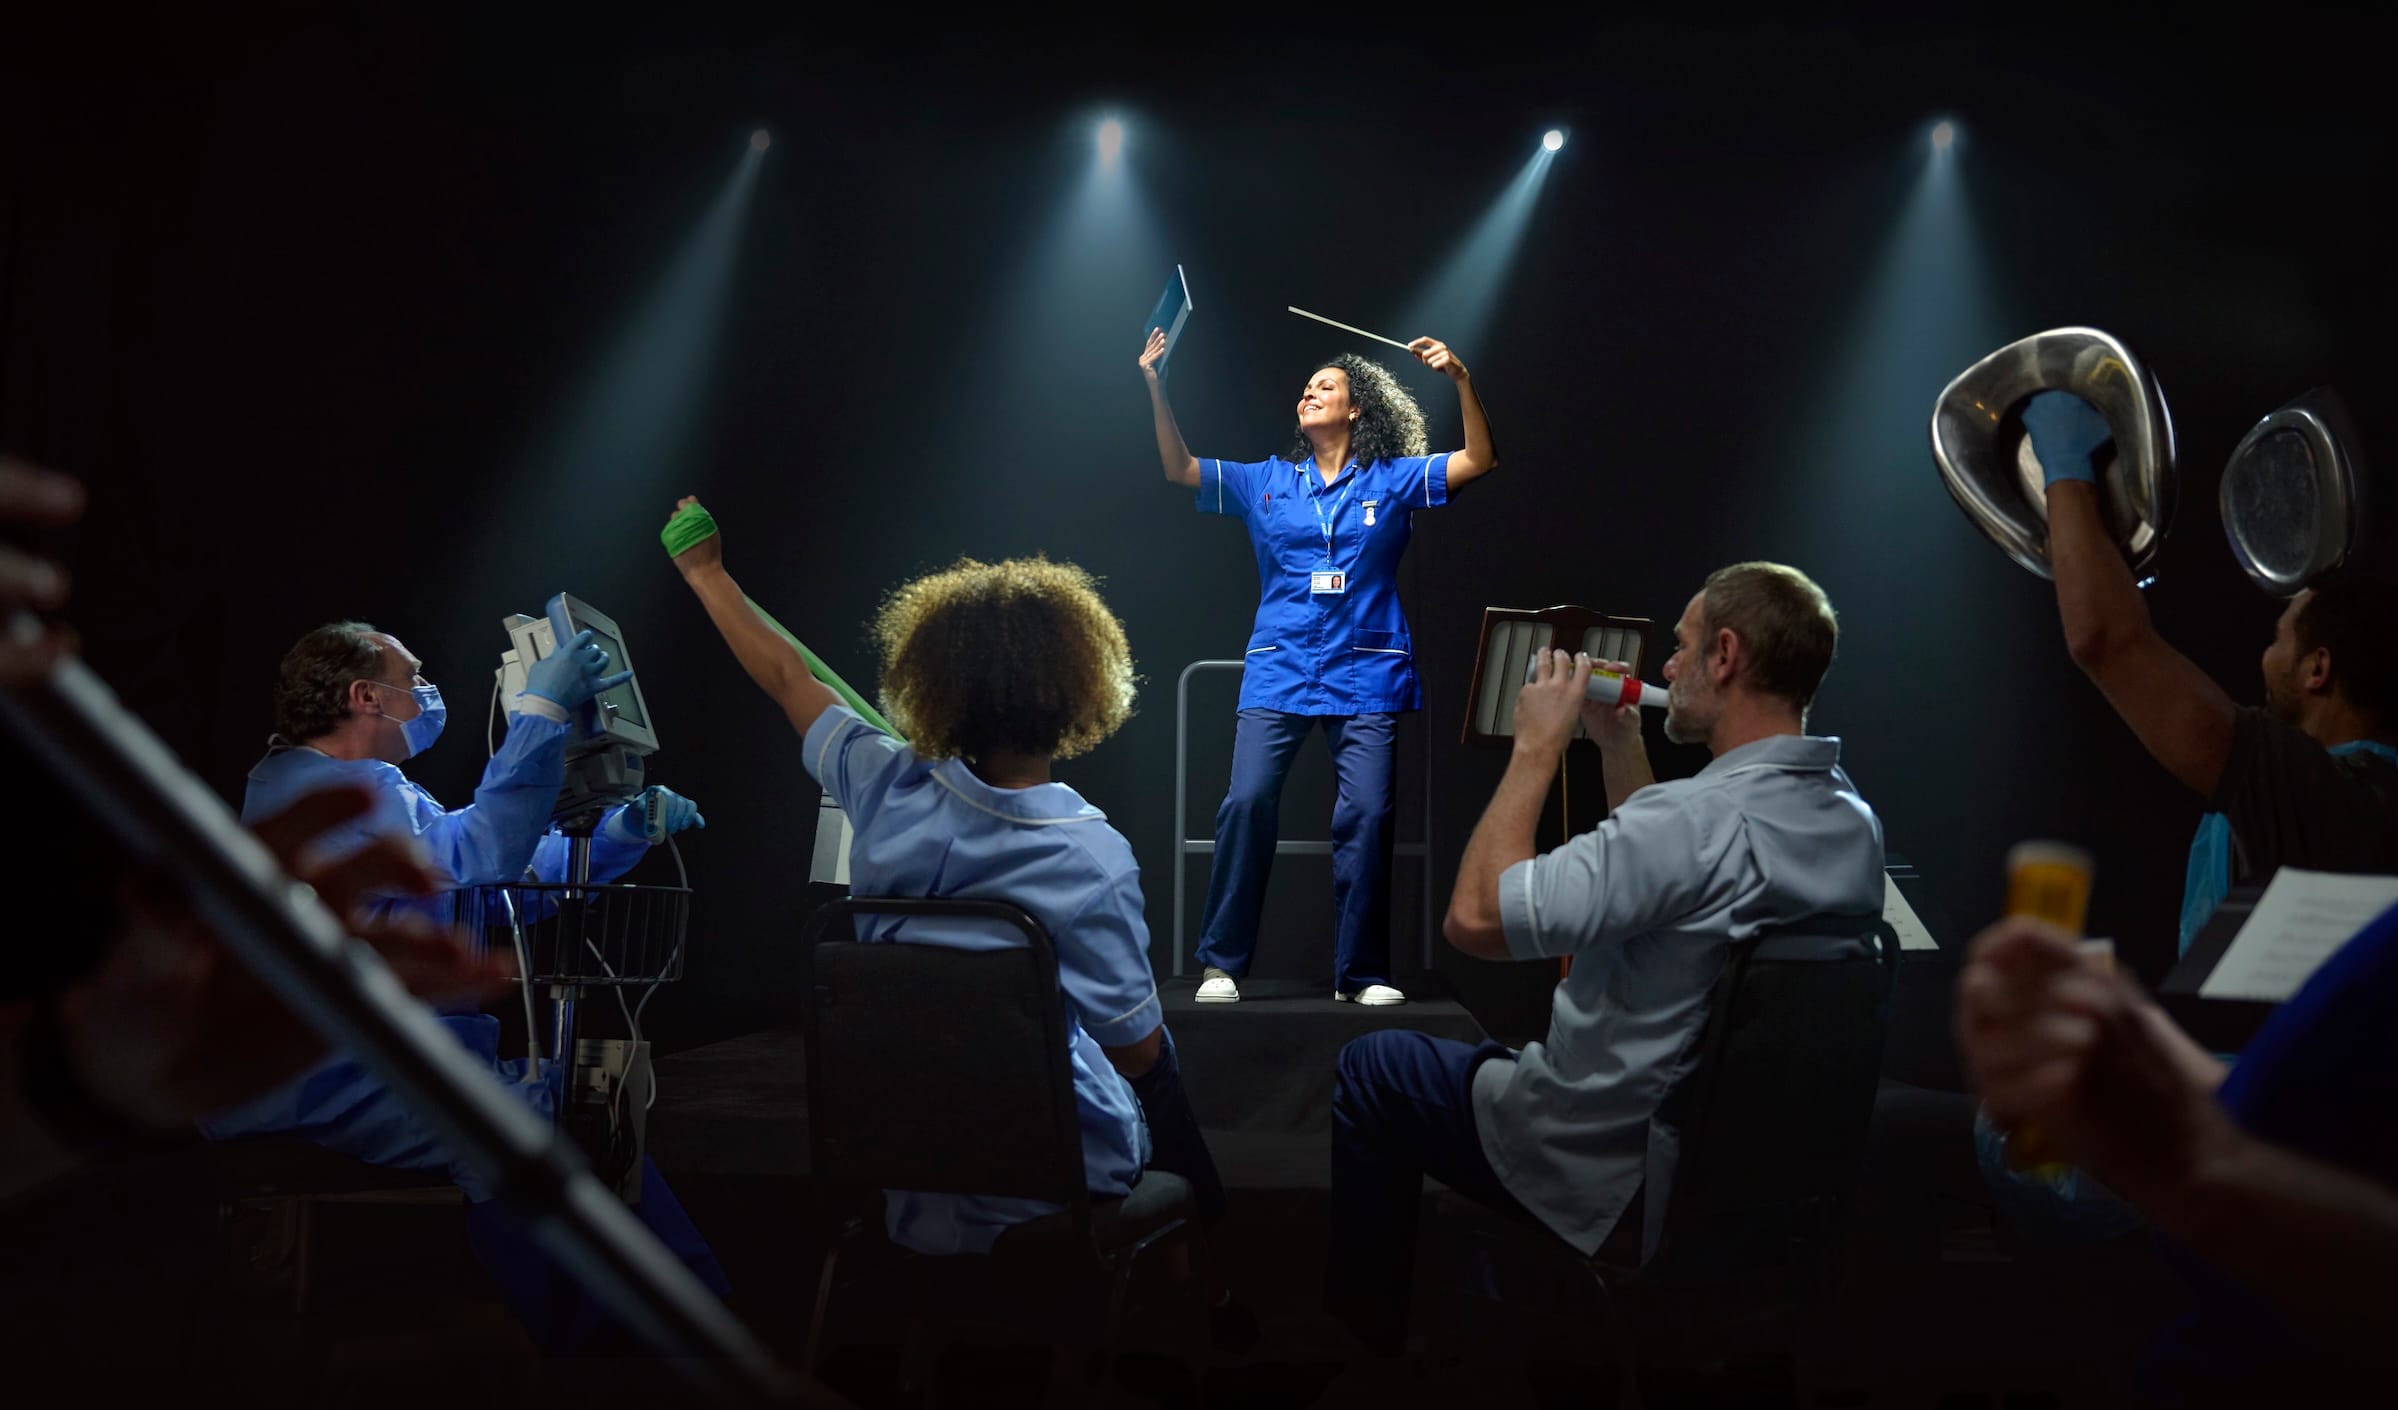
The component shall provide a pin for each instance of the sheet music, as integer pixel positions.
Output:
(1913, 934)
(2300, 920)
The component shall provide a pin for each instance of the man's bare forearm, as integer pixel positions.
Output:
(2097, 602)
(1625, 771)
(2182, 717)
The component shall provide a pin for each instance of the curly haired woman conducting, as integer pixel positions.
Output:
(1328, 525)
(991, 671)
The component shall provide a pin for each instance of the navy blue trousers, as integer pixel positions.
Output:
(1364, 758)
(1402, 1109)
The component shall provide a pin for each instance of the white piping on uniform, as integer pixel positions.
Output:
(1531, 901)
(1219, 487)
(1252, 651)
(831, 737)
(1011, 817)
(1150, 1002)
(1378, 650)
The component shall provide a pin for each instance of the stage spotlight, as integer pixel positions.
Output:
(1554, 140)
(1943, 134)
(759, 140)
(1111, 139)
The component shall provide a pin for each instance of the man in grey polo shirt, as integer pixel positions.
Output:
(1647, 905)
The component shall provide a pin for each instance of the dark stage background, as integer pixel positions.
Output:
(394, 321)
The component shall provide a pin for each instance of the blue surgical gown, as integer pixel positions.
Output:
(501, 836)
(931, 828)
(342, 1106)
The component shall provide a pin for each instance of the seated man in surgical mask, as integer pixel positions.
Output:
(350, 708)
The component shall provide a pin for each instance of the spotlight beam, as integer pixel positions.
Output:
(1930, 303)
(626, 431)
(1458, 304)
(632, 421)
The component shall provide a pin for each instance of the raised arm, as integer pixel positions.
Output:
(1544, 720)
(2181, 716)
(771, 662)
(1481, 453)
(1182, 468)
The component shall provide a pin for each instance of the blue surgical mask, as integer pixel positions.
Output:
(431, 714)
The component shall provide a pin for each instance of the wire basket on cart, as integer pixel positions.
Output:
(584, 936)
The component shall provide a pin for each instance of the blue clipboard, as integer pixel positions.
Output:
(1172, 311)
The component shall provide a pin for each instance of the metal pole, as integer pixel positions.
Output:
(562, 1025)
(1182, 791)
(524, 980)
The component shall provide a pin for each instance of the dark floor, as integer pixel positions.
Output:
(126, 1285)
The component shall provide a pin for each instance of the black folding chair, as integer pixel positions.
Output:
(944, 1070)
(1773, 1117)
(1760, 1146)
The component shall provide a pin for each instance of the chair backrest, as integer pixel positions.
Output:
(935, 1068)
(1773, 1116)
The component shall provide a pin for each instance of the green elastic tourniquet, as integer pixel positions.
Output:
(692, 524)
(689, 525)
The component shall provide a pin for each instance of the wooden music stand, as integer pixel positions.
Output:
(1509, 637)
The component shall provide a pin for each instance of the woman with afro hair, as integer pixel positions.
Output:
(1330, 645)
(990, 671)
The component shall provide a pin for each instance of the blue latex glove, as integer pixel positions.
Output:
(570, 676)
(2066, 434)
(657, 814)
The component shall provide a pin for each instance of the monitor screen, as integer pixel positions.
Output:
(618, 717)
(624, 700)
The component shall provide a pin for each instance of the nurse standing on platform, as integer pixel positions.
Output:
(1330, 645)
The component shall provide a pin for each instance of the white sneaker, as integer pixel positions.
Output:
(1216, 987)
(1374, 995)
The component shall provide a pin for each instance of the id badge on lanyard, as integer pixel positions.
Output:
(1328, 580)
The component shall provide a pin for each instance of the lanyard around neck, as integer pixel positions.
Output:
(1326, 521)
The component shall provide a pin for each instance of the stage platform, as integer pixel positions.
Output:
(1264, 1065)
(1259, 1074)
